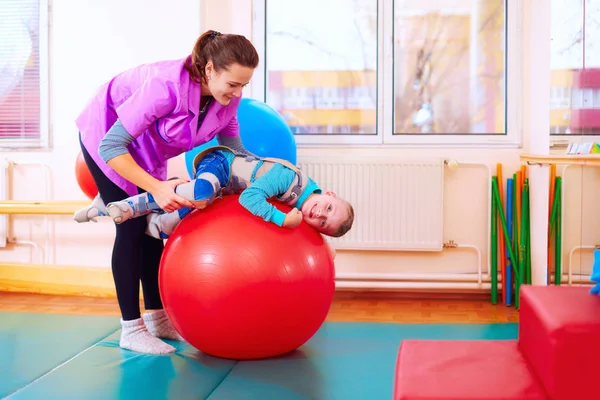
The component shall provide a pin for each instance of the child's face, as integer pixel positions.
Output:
(325, 212)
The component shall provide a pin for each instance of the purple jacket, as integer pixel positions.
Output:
(158, 105)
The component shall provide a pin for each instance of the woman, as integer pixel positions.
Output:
(134, 124)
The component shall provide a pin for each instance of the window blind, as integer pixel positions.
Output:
(19, 69)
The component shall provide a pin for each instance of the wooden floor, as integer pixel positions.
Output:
(347, 307)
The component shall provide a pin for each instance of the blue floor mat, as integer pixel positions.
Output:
(342, 361)
(33, 344)
(106, 371)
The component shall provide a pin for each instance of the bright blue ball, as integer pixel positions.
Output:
(263, 131)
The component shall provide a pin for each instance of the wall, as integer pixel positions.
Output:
(91, 41)
(465, 191)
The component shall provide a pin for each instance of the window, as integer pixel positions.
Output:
(392, 71)
(575, 67)
(23, 77)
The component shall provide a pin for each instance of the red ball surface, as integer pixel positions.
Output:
(235, 286)
(84, 178)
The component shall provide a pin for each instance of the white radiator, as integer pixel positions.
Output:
(398, 203)
(3, 196)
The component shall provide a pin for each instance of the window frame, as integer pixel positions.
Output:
(385, 87)
(43, 142)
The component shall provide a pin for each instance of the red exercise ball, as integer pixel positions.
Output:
(237, 287)
(84, 177)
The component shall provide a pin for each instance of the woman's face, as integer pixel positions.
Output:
(228, 83)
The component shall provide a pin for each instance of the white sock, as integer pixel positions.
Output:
(159, 325)
(89, 213)
(135, 337)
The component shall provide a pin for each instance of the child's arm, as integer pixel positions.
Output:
(273, 183)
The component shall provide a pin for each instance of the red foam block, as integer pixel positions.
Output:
(559, 332)
(457, 370)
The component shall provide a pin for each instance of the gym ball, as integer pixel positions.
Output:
(237, 287)
(84, 178)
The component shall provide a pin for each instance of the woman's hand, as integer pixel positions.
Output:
(166, 198)
(163, 192)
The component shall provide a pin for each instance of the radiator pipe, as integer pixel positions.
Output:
(29, 243)
(570, 277)
(453, 164)
(411, 285)
(392, 277)
(409, 276)
(562, 223)
(49, 194)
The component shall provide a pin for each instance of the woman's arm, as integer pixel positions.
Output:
(230, 137)
(234, 143)
(113, 150)
(163, 191)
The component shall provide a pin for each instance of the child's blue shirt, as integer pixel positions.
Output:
(273, 183)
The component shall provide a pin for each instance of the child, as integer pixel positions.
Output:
(220, 170)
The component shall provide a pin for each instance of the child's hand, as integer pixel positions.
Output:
(292, 219)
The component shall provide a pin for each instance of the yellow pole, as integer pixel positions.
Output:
(59, 207)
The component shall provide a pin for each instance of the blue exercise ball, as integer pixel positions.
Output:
(263, 131)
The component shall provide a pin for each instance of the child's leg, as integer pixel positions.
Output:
(91, 212)
(212, 174)
(161, 226)
(132, 207)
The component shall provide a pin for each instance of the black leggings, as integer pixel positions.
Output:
(135, 255)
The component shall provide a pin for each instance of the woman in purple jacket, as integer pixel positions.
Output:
(131, 127)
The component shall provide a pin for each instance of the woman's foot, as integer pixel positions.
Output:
(135, 337)
(159, 325)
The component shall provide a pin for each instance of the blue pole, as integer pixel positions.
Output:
(509, 221)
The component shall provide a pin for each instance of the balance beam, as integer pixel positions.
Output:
(43, 207)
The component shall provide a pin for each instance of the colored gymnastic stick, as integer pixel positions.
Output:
(528, 235)
(501, 253)
(550, 206)
(494, 244)
(515, 218)
(519, 211)
(554, 225)
(509, 219)
(557, 244)
(505, 229)
(523, 239)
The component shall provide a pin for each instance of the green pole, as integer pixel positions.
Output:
(527, 234)
(494, 247)
(558, 237)
(555, 204)
(523, 239)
